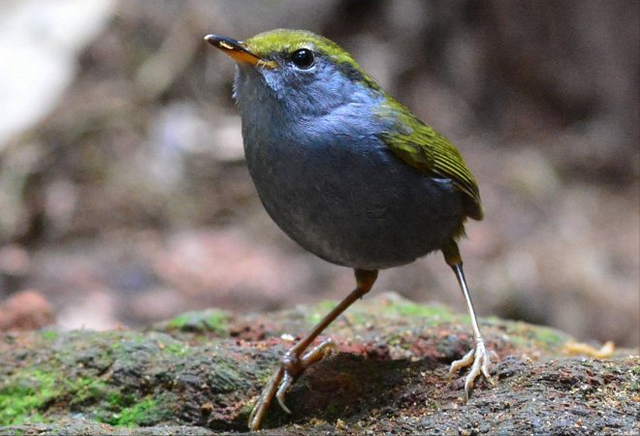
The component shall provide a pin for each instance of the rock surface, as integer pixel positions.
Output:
(199, 374)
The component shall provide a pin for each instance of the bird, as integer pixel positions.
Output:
(350, 174)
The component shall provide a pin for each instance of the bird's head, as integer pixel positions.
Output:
(305, 73)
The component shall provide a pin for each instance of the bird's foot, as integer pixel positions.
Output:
(291, 366)
(479, 359)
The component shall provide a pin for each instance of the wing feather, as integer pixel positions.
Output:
(423, 148)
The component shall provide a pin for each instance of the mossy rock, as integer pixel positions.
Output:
(200, 372)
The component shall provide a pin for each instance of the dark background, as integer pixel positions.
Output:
(129, 202)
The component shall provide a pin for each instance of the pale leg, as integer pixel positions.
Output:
(478, 358)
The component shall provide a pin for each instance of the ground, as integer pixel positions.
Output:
(199, 374)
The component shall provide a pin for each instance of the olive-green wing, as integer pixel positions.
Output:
(426, 150)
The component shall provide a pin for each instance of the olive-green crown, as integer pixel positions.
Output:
(286, 41)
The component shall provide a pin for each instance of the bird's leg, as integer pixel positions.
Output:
(478, 357)
(295, 361)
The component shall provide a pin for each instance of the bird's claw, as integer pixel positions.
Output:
(283, 387)
(479, 359)
(291, 367)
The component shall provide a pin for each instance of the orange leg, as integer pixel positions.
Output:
(295, 361)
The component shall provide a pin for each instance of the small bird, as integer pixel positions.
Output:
(348, 173)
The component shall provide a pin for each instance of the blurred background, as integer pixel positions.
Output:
(124, 198)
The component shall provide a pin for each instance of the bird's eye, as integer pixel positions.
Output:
(302, 58)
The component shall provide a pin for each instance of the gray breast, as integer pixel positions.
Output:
(335, 188)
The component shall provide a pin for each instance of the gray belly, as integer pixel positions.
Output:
(354, 204)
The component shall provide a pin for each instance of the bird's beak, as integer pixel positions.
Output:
(238, 51)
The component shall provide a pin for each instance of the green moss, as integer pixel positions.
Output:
(315, 315)
(49, 335)
(492, 320)
(208, 320)
(117, 400)
(432, 313)
(519, 341)
(550, 336)
(217, 321)
(86, 390)
(634, 382)
(144, 412)
(178, 350)
(29, 397)
(180, 321)
(527, 335)
(25, 396)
